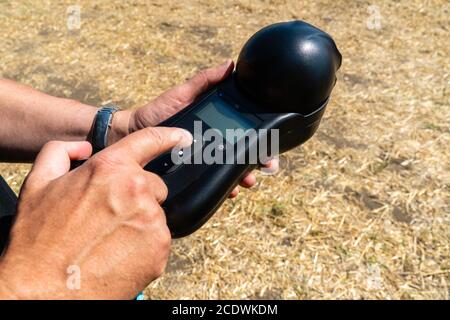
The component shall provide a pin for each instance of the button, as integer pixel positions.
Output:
(162, 165)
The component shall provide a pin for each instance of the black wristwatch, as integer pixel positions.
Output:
(101, 126)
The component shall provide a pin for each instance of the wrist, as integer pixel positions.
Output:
(120, 126)
(80, 124)
(7, 291)
(20, 279)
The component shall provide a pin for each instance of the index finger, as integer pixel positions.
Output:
(144, 145)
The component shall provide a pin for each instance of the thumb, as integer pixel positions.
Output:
(146, 144)
(53, 160)
(206, 79)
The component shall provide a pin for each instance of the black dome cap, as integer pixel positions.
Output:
(289, 67)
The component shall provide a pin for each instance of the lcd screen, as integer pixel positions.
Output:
(220, 115)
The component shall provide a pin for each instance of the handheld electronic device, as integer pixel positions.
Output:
(283, 80)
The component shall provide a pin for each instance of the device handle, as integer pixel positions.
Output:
(8, 207)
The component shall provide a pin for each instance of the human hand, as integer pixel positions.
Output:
(170, 103)
(102, 221)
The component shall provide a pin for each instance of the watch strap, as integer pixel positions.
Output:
(101, 126)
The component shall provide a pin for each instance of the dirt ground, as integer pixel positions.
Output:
(360, 211)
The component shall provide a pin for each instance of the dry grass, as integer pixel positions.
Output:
(360, 211)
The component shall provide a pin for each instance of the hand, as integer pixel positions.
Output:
(171, 102)
(101, 221)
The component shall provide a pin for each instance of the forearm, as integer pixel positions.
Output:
(30, 118)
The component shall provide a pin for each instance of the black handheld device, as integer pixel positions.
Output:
(283, 80)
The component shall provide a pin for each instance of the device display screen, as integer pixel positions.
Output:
(220, 115)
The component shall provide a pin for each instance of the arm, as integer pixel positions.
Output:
(31, 118)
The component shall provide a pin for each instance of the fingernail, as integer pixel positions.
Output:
(226, 63)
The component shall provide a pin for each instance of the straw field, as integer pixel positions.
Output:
(361, 211)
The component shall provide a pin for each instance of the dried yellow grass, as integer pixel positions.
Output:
(360, 211)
